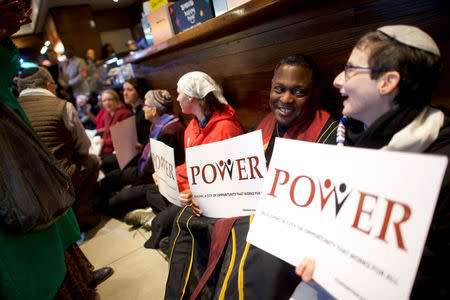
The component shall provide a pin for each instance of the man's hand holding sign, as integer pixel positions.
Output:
(358, 226)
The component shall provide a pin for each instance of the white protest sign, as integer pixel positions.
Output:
(363, 215)
(226, 177)
(164, 163)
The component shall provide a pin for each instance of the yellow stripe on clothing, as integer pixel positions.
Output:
(328, 136)
(318, 140)
(192, 256)
(174, 242)
(230, 267)
(241, 266)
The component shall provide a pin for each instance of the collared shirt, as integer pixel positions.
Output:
(71, 121)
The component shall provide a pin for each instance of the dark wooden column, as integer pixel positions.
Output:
(74, 28)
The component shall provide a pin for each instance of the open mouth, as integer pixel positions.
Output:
(285, 110)
(344, 97)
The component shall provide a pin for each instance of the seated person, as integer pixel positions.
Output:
(387, 84)
(165, 127)
(133, 95)
(213, 120)
(100, 116)
(115, 112)
(295, 114)
(57, 124)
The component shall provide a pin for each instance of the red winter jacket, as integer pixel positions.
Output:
(222, 125)
(121, 114)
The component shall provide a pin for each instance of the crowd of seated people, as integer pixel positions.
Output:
(379, 92)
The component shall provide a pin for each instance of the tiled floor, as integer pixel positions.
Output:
(139, 273)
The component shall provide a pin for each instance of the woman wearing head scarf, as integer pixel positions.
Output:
(214, 120)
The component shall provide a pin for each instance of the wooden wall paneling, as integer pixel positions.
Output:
(237, 19)
(28, 41)
(50, 31)
(73, 26)
(112, 19)
(383, 10)
(242, 61)
(29, 46)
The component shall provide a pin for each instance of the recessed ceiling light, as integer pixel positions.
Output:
(116, 0)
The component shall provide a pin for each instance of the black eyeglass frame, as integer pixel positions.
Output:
(348, 67)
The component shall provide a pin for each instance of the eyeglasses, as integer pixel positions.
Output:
(348, 70)
(146, 106)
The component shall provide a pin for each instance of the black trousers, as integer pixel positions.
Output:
(117, 179)
(110, 163)
(137, 196)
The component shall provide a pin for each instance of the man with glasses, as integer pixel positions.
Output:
(387, 86)
(57, 123)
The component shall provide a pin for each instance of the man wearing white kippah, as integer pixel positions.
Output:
(387, 86)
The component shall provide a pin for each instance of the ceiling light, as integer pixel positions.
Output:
(44, 50)
(116, 0)
(27, 65)
(59, 48)
(47, 43)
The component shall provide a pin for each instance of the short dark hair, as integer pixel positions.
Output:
(304, 61)
(140, 85)
(419, 70)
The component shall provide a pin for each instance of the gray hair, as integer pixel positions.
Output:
(161, 99)
(34, 78)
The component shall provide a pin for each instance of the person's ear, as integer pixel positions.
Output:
(389, 82)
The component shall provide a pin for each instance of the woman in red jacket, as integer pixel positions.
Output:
(115, 112)
(214, 120)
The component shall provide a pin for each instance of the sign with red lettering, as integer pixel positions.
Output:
(164, 164)
(362, 214)
(226, 177)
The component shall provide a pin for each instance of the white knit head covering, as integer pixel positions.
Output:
(198, 84)
(411, 36)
